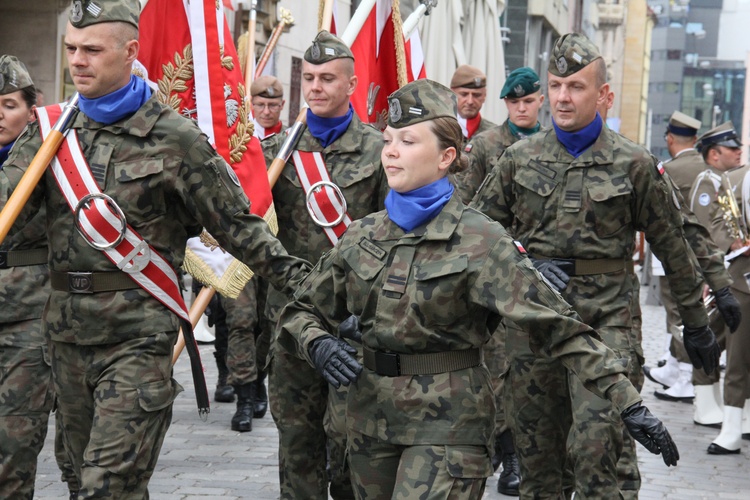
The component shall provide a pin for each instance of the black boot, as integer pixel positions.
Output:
(510, 477)
(224, 393)
(242, 420)
(261, 396)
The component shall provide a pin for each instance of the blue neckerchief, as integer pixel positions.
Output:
(521, 132)
(579, 141)
(4, 151)
(327, 130)
(117, 105)
(415, 208)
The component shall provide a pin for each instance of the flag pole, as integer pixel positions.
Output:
(37, 167)
(286, 20)
(423, 9)
(250, 45)
(326, 16)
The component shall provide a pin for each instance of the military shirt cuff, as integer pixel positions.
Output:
(718, 281)
(695, 317)
(623, 395)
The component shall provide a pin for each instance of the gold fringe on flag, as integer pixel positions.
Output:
(398, 39)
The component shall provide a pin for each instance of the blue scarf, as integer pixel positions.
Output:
(117, 105)
(327, 130)
(579, 141)
(415, 208)
(521, 132)
(4, 151)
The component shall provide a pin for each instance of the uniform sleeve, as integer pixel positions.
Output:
(21, 155)
(213, 196)
(467, 182)
(509, 285)
(495, 195)
(318, 307)
(710, 257)
(657, 213)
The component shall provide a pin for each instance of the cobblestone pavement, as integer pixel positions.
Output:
(205, 460)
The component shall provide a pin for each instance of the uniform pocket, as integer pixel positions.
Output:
(470, 462)
(441, 290)
(139, 189)
(529, 205)
(155, 396)
(607, 200)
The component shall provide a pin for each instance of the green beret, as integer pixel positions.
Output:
(572, 53)
(327, 47)
(13, 75)
(520, 82)
(419, 101)
(87, 12)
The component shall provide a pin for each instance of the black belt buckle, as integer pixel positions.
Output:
(4, 259)
(80, 282)
(568, 266)
(387, 364)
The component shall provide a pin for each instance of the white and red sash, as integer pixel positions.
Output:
(324, 202)
(102, 226)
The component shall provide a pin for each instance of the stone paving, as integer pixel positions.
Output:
(206, 460)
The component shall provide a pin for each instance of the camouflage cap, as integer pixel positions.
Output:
(266, 86)
(87, 12)
(327, 47)
(419, 101)
(13, 75)
(572, 52)
(468, 77)
(682, 124)
(520, 82)
(723, 135)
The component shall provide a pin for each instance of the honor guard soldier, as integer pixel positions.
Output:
(721, 198)
(430, 280)
(139, 180)
(470, 86)
(332, 178)
(267, 99)
(575, 196)
(26, 382)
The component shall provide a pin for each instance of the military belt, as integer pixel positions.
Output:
(18, 258)
(91, 282)
(391, 364)
(584, 267)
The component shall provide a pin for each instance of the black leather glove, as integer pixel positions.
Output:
(650, 432)
(214, 311)
(729, 308)
(556, 277)
(349, 329)
(334, 359)
(703, 351)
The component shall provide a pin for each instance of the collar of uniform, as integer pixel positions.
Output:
(440, 228)
(686, 152)
(138, 125)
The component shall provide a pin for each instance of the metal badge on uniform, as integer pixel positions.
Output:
(704, 199)
(562, 64)
(577, 57)
(394, 110)
(2, 81)
(468, 148)
(76, 11)
(93, 9)
(315, 51)
(478, 81)
(232, 175)
(518, 90)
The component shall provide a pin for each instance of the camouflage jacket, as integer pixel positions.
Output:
(170, 183)
(353, 162)
(590, 207)
(444, 286)
(710, 214)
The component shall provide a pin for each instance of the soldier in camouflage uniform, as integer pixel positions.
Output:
(725, 177)
(111, 342)
(575, 197)
(310, 415)
(430, 280)
(470, 86)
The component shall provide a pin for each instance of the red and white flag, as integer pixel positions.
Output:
(374, 52)
(192, 62)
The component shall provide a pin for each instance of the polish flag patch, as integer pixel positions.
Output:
(520, 247)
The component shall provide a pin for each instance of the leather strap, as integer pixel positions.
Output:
(391, 364)
(584, 267)
(91, 282)
(18, 258)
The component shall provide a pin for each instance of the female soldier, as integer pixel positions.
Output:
(25, 375)
(429, 279)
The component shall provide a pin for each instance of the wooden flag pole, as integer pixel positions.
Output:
(250, 46)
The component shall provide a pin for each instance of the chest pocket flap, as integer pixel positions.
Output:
(534, 180)
(611, 188)
(138, 169)
(610, 204)
(354, 175)
(139, 189)
(430, 270)
(365, 265)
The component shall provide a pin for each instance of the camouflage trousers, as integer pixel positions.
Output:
(27, 399)
(115, 406)
(384, 471)
(567, 439)
(242, 321)
(310, 417)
